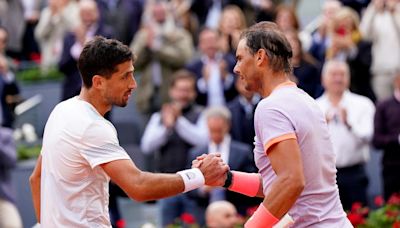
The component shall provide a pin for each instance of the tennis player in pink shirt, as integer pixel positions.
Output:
(293, 150)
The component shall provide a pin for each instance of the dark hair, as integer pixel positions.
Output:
(101, 56)
(267, 36)
(182, 74)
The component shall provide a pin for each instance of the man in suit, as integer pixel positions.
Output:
(73, 44)
(387, 138)
(236, 154)
(214, 71)
(242, 109)
(123, 15)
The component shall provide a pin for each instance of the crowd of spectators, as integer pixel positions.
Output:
(188, 95)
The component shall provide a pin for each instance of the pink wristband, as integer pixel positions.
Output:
(245, 183)
(261, 218)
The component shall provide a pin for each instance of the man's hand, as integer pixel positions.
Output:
(343, 117)
(391, 5)
(56, 6)
(177, 109)
(206, 72)
(150, 35)
(167, 116)
(213, 169)
(223, 69)
(379, 4)
(197, 162)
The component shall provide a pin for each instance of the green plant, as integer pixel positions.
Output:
(27, 152)
(35, 74)
(386, 216)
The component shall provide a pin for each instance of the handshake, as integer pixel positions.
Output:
(213, 169)
(216, 173)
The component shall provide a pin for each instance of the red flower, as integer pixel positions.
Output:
(396, 224)
(188, 218)
(120, 223)
(379, 201)
(356, 219)
(35, 57)
(391, 214)
(356, 206)
(394, 199)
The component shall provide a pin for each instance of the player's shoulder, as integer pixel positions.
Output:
(62, 105)
(277, 99)
(79, 111)
(62, 110)
(68, 104)
(100, 128)
(270, 106)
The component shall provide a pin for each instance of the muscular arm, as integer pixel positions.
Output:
(34, 181)
(142, 186)
(260, 192)
(286, 161)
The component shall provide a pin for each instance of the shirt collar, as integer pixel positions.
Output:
(223, 144)
(218, 57)
(223, 148)
(285, 84)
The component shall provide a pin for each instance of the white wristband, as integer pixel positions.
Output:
(192, 178)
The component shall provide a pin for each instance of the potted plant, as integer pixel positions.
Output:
(386, 215)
